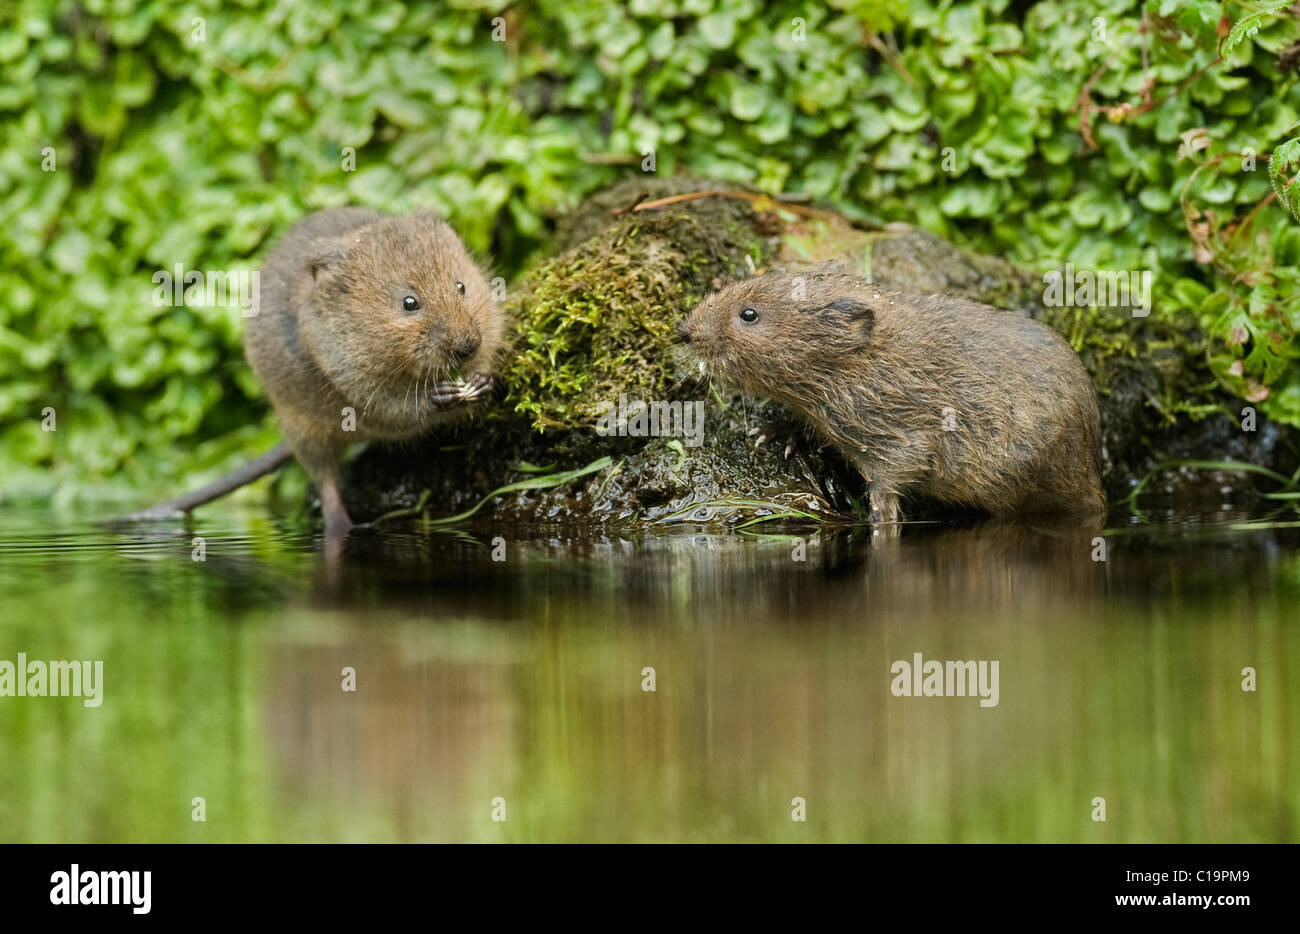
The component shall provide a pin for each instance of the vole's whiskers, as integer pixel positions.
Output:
(419, 390)
(697, 292)
(675, 386)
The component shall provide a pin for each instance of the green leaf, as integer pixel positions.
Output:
(1285, 161)
(748, 101)
(532, 483)
(1249, 24)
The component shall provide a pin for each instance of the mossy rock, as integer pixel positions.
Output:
(596, 319)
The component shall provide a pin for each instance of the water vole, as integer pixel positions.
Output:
(939, 397)
(370, 327)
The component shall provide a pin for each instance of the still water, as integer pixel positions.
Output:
(515, 688)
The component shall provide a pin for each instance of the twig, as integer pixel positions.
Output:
(756, 200)
(894, 60)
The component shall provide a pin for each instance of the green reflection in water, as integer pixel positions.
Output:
(522, 679)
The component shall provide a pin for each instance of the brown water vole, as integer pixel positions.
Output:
(939, 397)
(370, 327)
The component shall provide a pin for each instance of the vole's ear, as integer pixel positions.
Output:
(326, 259)
(859, 319)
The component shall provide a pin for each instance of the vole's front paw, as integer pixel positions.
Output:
(479, 386)
(453, 392)
(447, 394)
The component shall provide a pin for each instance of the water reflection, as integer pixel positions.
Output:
(810, 575)
(512, 664)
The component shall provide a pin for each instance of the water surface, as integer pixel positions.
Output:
(522, 680)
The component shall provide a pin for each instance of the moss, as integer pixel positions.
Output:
(599, 318)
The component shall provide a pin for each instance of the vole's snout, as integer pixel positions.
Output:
(463, 347)
(456, 344)
(683, 330)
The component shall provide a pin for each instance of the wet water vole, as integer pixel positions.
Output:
(932, 396)
(369, 327)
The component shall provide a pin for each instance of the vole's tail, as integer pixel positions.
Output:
(258, 467)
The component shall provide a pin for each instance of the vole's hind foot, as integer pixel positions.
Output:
(884, 506)
(337, 521)
(766, 433)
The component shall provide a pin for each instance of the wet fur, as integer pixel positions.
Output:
(331, 332)
(872, 372)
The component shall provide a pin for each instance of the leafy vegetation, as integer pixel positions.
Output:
(135, 136)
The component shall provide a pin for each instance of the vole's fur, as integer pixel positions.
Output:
(342, 357)
(938, 397)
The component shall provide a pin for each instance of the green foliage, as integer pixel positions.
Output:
(196, 132)
(1250, 24)
(1284, 161)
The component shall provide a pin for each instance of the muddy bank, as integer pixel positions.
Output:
(595, 321)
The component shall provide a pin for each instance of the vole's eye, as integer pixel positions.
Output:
(749, 316)
(410, 303)
(460, 287)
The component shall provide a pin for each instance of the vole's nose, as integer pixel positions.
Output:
(681, 329)
(465, 346)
